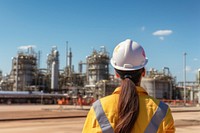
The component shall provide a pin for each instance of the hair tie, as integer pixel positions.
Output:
(127, 76)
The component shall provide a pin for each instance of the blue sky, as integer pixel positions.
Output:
(165, 28)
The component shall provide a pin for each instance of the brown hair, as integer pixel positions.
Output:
(128, 106)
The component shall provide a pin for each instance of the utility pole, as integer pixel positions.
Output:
(184, 60)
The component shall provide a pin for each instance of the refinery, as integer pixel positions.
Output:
(52, 83)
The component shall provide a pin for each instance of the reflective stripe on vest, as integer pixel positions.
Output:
(101, 117)
(151, 128)
(157, 118)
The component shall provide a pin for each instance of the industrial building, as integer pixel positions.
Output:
(95, 82)
(159, 84)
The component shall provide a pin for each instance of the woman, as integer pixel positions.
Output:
(129, 109)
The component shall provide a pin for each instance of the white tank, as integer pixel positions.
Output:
(158, 88)
(54, 76)
(53, 62)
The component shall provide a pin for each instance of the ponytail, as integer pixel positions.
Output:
(128, 105)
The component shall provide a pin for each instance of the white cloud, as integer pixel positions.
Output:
(143, 28)
(26, 47)
(161, 38)
(195, 59)
(162, 32)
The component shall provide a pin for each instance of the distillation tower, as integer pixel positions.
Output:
(53, 67)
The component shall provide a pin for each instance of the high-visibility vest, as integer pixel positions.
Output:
(151, 128)
(154, 116)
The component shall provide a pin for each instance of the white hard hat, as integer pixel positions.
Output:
(128, 55)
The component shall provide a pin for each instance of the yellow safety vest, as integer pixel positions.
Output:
(154, 116)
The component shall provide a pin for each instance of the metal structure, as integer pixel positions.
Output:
(1, 75)
(198, 76)
(192, 91)
(24, 66)
(184, 60)
(159, 84)
(97, 69)
(92, 83)
(10, 97)
(97, 66)
(53, 67)
(106, 87)
(1, 80)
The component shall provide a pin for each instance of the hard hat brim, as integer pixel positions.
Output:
(128, 69)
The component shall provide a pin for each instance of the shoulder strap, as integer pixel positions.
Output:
(157, 118)
(101, 118)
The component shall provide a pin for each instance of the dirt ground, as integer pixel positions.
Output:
(69, 125)
(186, 119)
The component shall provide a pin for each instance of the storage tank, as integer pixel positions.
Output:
(149, 85)
(161, 89)
(158, 84)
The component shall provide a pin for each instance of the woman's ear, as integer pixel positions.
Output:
(117, 75)
(143, 73)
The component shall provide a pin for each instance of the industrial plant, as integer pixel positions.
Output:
(93, 83)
